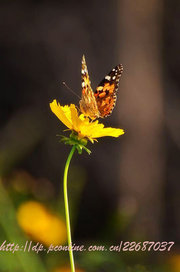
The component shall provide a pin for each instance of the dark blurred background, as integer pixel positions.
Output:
(128, 188)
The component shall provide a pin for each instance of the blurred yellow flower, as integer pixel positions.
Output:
(66, 269)
(174, 262)
(40, 224)
(84, 127)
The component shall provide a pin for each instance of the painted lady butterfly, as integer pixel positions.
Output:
(101, 102)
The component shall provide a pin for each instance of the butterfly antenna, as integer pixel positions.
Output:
(64, 83)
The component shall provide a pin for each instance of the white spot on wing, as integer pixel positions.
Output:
(108, 77)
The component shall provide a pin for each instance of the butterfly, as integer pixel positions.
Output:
(101, 102)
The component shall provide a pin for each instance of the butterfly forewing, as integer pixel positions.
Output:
(105, 92)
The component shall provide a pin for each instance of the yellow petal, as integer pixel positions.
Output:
(63, 113)
(76, 121)
(113, 132)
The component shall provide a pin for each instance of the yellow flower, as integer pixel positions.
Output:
(40, 224)
(85, 128)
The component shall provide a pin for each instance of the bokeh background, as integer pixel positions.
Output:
(128, 188)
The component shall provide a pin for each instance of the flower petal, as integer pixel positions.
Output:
(113, 132)
(63, 113)
(95, 130)
(76, 121)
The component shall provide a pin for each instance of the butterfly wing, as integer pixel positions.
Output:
(86, 83)
(88, 105)
(105, 93)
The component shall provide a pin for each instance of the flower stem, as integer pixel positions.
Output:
(67, 208)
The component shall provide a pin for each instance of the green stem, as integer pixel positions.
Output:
(67, 208)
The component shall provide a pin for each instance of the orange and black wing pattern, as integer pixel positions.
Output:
(105, 93)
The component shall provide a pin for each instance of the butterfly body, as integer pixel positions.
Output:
(101, 102)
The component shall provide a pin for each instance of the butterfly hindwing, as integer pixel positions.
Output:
(88, 105)
(86, 83)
